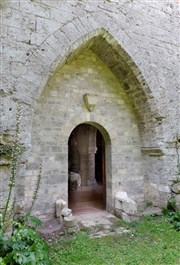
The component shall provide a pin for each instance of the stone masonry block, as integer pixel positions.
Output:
(129, 206)
(176, 188)
(125, 217)
(124, 203)
(35, 8)
(177, 199)
(119, 198)
(69, 221)
(60, 205)
(71, 32)
(66, 212)
(40, 37)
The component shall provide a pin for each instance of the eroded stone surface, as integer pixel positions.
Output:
(60, 205)
(125, 206)
(177, 199)
(112, 49)
(100, 224)
(176, 188)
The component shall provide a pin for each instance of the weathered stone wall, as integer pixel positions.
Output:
(137, 40)
(61, 108)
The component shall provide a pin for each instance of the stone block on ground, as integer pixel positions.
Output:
(118, 213)
(69, 221)
(164, 195)
(176, 188)
(129, 206)
(126, 217)
(70, 225)
(119, 198)
(177, 199)
(121, 195)
(66, 212)
(124, 203)
(152, 210)
(60, 204)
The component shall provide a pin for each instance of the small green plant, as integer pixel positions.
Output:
(171, 214)
(173, 218)
(171, 205)
(148, 204)
(25, 246)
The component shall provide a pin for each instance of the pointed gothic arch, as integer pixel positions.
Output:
(122, 65)
(118, 62)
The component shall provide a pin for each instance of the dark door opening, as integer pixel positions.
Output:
(86, 166)
(100, 164)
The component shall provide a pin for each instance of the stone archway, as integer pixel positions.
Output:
(43, 55)
(123, 109)
(62, 107)
(86, 169)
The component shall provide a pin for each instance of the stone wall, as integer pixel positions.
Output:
(126, 52)
(61, 108)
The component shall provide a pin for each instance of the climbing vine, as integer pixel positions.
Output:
(15, 152)
(23, 245)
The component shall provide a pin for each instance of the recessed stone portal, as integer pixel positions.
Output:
(99, 148)
(86, 169)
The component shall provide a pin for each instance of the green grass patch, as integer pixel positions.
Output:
(149, 242)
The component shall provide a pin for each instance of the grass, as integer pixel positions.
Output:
(149, 242)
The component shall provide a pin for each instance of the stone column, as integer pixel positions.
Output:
(84, 168)
(87, 150)
(92, 152)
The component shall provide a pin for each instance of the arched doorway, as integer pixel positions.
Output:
(86, 169)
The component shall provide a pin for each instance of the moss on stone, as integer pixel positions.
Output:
(6, 150)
